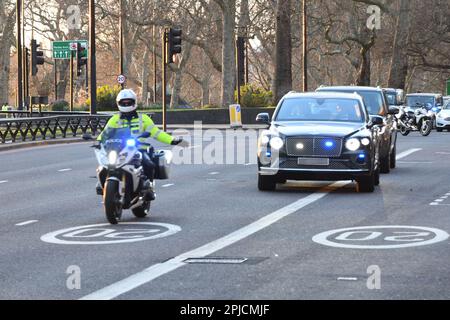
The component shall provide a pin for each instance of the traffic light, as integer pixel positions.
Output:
(240, 60)
(81, 58)
(37, 57)
(174, 43)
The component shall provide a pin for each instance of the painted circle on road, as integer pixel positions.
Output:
(106, 233)
(381, 237)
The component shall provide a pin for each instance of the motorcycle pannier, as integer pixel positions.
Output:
(162, 164)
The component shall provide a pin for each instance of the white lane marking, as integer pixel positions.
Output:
(248, 164)
(407, 153)
(445, 153)
(439, 200)
(26, 223)
(347, 279)
(434, 204)
(167, 185)
(65, 170)
(160, 269)
(444, 197)
(3, 181)
(416, 162)
(194, 147)
(214, 173)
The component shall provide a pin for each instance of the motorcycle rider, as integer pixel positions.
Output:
(138, 124)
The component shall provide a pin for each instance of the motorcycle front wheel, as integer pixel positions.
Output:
(111, 200)
(426, 128)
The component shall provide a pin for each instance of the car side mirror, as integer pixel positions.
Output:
(263, 118)
(376, 121)
(394, 110)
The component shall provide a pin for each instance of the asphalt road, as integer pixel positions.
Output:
(216, 211)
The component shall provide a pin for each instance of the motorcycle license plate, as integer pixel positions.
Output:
(313, 161)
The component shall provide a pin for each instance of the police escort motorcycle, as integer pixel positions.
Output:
(121, 176)
(417, 118)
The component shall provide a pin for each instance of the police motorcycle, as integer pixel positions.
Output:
(419, 118)
(121, 174)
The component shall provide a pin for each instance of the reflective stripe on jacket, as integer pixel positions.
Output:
(138, 125)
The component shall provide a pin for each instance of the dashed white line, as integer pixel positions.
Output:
(214, 173)
(347, 279)
(3, 181)
(168, 185)
(407, 153)
(65, 170)
(26, 223)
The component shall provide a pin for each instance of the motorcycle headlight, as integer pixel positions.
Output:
(265, 139)
(353, 144)
(277, 143)
(112, 157)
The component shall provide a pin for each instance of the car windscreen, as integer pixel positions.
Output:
(320, 109)
(391, 98)
(419, 101)
(372, 99)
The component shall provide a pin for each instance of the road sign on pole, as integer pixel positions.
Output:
(63, 49)
(121, 79)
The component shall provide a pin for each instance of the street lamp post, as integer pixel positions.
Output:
(19, 55)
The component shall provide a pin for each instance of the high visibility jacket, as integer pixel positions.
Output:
(138, 125)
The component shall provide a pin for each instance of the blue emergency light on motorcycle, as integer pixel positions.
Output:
(131, 143)
(435, 109)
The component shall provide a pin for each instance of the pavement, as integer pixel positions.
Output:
(253, 245)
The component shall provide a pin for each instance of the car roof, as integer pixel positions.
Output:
(322, 95)
(346, 88)
(423, 95)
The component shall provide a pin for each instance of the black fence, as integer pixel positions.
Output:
(49, 127)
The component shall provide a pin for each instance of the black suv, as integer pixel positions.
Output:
(377, 105)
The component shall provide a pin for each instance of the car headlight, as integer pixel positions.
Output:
(277, 143)
(112, 157)
(353, 144)
(365, 141)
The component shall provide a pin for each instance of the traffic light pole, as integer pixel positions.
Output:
(164, 75)
(92, 59)
(19, 55)
(71, 81)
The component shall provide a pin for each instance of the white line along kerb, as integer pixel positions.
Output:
(157, 270)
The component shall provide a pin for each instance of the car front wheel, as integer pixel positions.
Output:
(266, 183)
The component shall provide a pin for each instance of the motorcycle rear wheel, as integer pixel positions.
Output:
(404, 131)
(111, 200)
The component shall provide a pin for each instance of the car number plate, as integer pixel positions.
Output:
(313, 162)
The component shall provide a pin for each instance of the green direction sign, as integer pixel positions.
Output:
(64, 49)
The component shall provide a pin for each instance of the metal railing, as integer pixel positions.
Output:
(56, 126)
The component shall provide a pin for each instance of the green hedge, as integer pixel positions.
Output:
(255, 97)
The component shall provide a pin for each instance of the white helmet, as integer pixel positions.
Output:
(126, 101)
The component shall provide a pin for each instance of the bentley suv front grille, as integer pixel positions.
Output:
(314, 147)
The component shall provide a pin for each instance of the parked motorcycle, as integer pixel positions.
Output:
(121, 175)
(415, 119)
